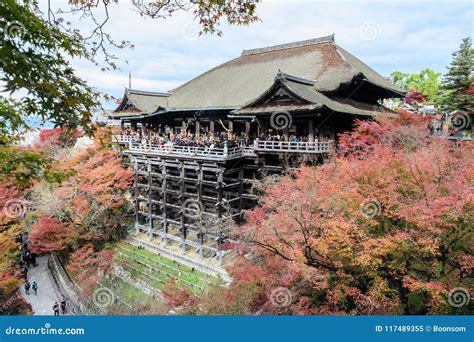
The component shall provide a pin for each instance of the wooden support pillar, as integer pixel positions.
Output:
(150, 204)
(211, 126)
(220, 188)
(264, 127)
(311, 130)
(182, 229)
(231, 127)
(197, 129)
(241, 191)
(219, 251)
(226, 150)
(247, 129)
(184, 126)
(135, 168)
(199, 182)
(143, 129)
(164, 198)
(122, 125)
(200, 237)
(200, 194)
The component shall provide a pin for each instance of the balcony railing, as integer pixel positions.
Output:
(123, 138)
(294, 147)
(219, 153)
(186, 151)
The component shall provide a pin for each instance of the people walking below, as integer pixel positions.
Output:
(27, 258)
(63, 306)
(27, 287)
(56, 309)
(33, 259)
(35, 287)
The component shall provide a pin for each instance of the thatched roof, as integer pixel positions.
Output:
(138, 102)
(233, 84)
(306, 97)
(240, 80)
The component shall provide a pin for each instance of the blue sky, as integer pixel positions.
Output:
(388, 35)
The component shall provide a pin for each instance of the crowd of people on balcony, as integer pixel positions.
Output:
(207, 140)
(282, 138)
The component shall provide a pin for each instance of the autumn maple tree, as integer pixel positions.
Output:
(12, 303)
(87, 208)
(21, 168)
(57, 138)
(386, 227)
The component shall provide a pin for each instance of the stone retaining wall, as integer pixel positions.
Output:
(200, 266)
(70, 290)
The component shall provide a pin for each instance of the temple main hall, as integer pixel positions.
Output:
(197, 148)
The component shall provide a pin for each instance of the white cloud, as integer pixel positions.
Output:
(410, 36)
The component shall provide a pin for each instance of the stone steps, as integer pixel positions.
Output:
(197, 264)
(173, 271)
(158, 274)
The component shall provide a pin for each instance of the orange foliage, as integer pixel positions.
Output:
(48, 234)
(89, 265)
(93, 208)
(11, 206)
(384, 228)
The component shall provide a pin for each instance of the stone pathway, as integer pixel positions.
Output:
(43, 302)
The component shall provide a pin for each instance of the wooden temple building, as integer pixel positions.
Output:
(265, 106)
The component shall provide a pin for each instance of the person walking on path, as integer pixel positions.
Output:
(33, 259)
(56, 309)
(35, 287)
(27, 287)
(63, 306)
(26, 259)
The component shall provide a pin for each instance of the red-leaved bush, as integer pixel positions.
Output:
(89, 266)
(87, 208)
(12, 206)
(386, 227)
(57, 138)
(49, 234)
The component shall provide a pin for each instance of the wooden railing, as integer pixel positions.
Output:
(187, 151)
(124, 139)
(295, 147)
(213, 153)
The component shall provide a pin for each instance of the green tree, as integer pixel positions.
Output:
(459, 79)
(426, 82)
(35, 69)
(36, 49)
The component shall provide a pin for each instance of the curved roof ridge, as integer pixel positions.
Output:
(320, 40)
(370, 74)
(146, 93)
(283, 76)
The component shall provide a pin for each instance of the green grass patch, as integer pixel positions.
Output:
(153, 277)
(160, 261)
